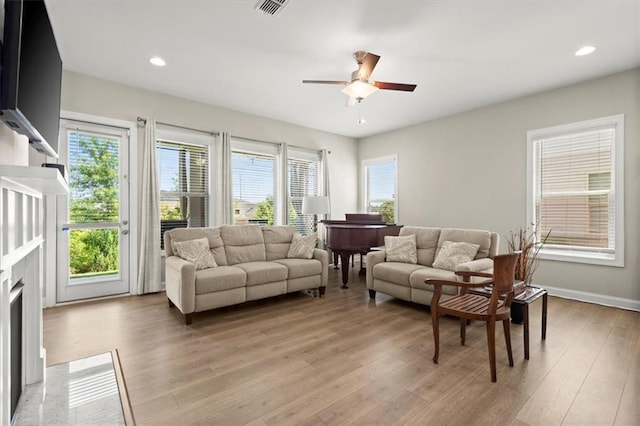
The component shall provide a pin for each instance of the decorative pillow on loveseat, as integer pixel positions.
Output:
(452, 254)
(195, 251)
(302, 246)
(401, 249)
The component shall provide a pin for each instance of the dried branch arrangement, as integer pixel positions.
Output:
(525, 241)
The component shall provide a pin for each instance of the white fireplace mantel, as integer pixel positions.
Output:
(21, 258)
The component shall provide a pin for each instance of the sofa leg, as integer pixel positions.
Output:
(188, 319)
(171, 305)
(372, 294)
(321, 291)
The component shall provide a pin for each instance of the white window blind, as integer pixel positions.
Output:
(575, 190)
(183, 174)
(380, 187)
(303, 170)
(94, 169)
(253, 167)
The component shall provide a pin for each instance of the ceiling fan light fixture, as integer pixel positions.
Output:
(359, 89)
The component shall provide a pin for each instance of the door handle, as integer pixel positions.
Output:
(125, 231)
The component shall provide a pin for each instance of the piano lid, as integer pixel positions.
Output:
(364, 217)
(357, 219)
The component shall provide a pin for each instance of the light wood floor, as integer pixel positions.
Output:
(344, 359)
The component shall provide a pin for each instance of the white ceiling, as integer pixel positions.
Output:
(461, 54)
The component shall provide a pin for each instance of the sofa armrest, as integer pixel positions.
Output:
(373, 258)
(180, 283)
(478, 265)
(323, 257)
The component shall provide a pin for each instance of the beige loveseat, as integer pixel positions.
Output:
(252, 264)
(406, 280)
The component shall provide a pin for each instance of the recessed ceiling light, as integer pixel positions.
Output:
(585, 50)
(158, 61)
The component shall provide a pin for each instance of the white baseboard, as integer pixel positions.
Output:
(600, 299)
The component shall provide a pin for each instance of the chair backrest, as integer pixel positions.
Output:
(504, 269)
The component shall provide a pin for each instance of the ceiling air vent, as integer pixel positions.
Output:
(271, 7)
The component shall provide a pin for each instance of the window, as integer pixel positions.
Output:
(380, 187)
(183, 176)
(303, 171)
(254, 180)
(575, 190)
(268, 186)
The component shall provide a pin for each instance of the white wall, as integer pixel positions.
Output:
(468, 170)
(84, 94)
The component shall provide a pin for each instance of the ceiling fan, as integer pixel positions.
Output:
(359, 87)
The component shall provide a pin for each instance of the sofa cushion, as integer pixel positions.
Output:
(302, 246)
(196, 251)
(416, 280)
(474, 236)
(426, 242)
(220, 278)
(401, 249)
(301, 267)
(183, 234)
(395, 272)
(263, 272)
(277, 240)
(243, 243)
(452, 254)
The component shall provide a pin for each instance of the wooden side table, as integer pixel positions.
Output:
(530, 295)
(522, 301)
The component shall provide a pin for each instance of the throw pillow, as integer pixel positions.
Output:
(401, 249)
(452, 254)
(195, 251)
(302, 246)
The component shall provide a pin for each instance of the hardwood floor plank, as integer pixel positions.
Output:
(398, 409)
(330, 392)
(630, 400)
(596, 403)
(360, 402)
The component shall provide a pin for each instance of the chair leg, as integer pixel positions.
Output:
(463, 330)
(507, 340)
(491, 342)
(436, 332)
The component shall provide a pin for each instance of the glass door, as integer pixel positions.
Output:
(93, 231)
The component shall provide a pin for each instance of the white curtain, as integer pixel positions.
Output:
(324, 158)
(225, 211)
(283, 203)
(325, 178)
(150, 262)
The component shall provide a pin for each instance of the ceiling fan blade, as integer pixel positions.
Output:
(368, 64)
(395, 86)
(343, 82)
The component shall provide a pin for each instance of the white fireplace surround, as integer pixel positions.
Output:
(21, 258)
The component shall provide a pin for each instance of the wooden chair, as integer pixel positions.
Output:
(478, 307)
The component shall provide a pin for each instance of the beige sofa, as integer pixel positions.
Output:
(252, 264)
(406, 280)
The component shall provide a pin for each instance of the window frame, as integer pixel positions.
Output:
(245, 146)
(193, 138)
(577, 254)
(309, 156)
(365, 182)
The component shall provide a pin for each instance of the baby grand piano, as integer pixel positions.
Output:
(356, 235)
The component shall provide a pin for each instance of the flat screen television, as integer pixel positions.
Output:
(30, 75)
